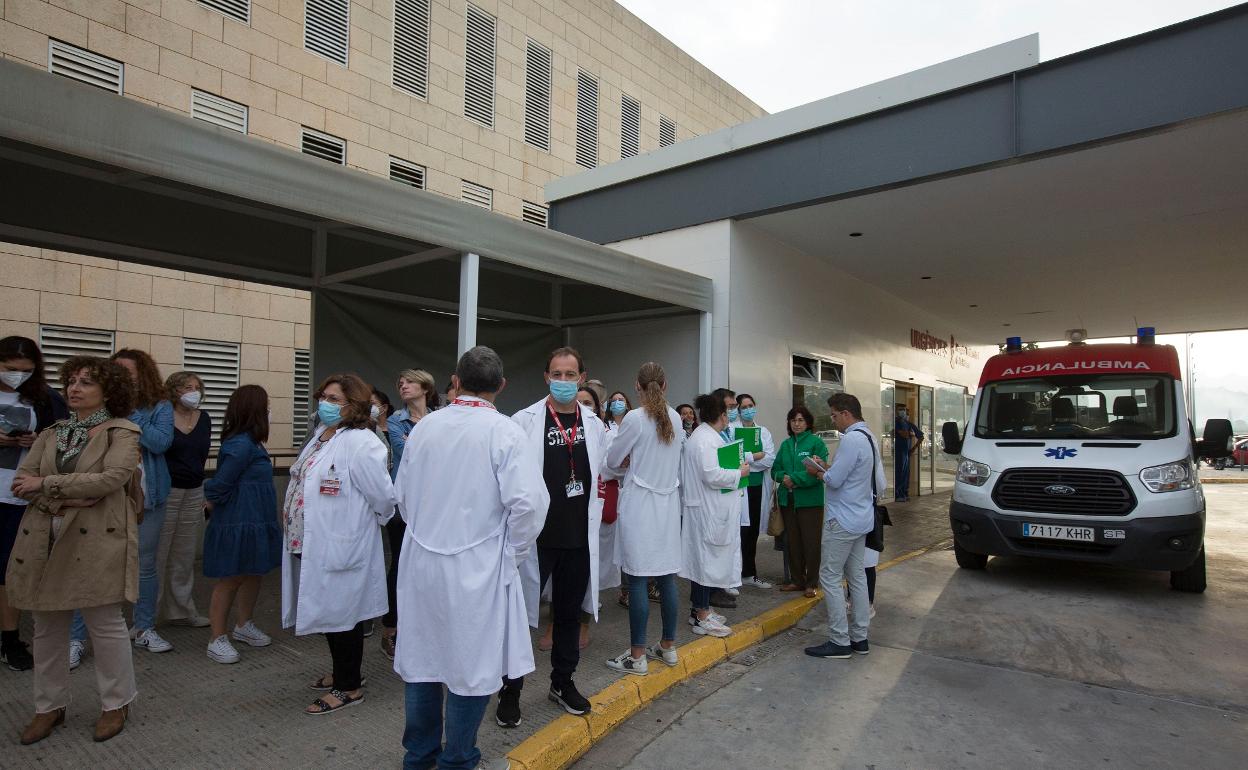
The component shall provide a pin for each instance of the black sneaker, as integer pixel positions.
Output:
(572, 701)
(862, 648)
(508, 713)
(829, 650)
(17, 656)
(722, 599)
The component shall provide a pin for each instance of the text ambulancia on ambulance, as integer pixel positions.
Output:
(1086, 453)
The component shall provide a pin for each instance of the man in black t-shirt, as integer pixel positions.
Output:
(572, 440)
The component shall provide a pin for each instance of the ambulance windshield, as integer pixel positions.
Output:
(1125, 406)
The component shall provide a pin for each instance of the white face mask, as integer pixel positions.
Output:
(191, 400)
(374, 411)
(15, 380)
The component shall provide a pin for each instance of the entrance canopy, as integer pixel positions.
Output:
(86, 171)
(1099, 190)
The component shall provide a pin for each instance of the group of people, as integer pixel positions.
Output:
(486, 517)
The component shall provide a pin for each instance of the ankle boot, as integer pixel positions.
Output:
(42, 726)
(110, 723)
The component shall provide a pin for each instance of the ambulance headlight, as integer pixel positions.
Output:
(1170, 477)
(973, 473)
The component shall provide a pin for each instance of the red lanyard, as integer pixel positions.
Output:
(474, 402)
(569, 438)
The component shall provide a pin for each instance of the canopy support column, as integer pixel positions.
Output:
(705, 354)
(469, 272)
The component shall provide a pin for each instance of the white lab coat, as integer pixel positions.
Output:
(608, 559)
(647, 531)
(341, 577)
(762, 466)
(711, 538)
(470, 488)
(532, 420)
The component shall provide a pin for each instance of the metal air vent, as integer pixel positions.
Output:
(537, 85)
(536, 214)
(586, 119)
(667, 131)
(630, 126)
(60, 343)
(407, 173)
(216, 363)
(218, 111)
(324, 146)
(477, 195)
(84, 66)
(238, 10)
(479, 66)
(411, 46)
(303, 395)
(326, 27)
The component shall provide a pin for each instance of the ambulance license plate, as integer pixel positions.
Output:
(1059, 532)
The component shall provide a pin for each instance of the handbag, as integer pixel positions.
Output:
(875, 538)
(775, 519)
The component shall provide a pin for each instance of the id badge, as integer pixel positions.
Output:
(330, 485)
(575, 488)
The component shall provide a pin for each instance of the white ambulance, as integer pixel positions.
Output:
(1083, 452)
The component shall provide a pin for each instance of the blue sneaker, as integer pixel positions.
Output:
(862, 648)
(829, 650)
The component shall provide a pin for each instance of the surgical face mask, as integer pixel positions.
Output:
(374, 411)
(734, 415)
(564, 391)
(15, 380)
(687, 424)
(329, 413)
(618, 407)
(190, 400)
(748, 413)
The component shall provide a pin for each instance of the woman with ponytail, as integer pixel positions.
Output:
(648, 443)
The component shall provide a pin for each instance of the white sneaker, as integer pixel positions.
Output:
(756, 582)
(77, 650)
(732, 591)
(222, 651)
(693, 619)
(194, 621)
(709, 626)
(872, 613)
(249, 634)
(659, 652)
(628, 664)
(151, 641)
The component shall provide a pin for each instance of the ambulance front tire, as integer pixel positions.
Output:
(1192, 578)
(967, 559)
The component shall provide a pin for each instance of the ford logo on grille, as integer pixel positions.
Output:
(1060, 490)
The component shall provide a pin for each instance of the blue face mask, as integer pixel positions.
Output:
(733, 415)
(564, 391)
(329, 413)
(618, 407)
(748, 413)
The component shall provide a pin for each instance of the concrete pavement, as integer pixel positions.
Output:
(1030, 664)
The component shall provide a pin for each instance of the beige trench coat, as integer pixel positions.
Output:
(95, 560)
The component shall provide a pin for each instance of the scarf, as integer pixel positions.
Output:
(71, 435)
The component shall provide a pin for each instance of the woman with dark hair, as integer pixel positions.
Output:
(801, 499)
(616, 407)
(243, 541)
(688, 418)
(154, 415)
(757, 496)
(27, 406)
(711, 533)
(78, 542)
(333, 566)
(647, 444)
(184, 514)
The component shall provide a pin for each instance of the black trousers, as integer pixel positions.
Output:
(567, 569)
(396, 529)
(749, 534)
(870, 584)
(347, 650)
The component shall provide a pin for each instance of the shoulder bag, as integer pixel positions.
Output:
(875, 538)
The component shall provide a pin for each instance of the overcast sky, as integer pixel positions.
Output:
(783, 53)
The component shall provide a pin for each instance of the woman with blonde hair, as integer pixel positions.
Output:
(187, 455)
(648, 443)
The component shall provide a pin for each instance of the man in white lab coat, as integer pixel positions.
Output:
(571, 440)
(471, 491)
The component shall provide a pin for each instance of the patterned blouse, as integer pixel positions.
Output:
(293, 508)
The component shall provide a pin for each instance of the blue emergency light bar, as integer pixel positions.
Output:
(1013, 344)
(1145, 335)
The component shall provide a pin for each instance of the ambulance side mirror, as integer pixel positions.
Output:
(952, 438)
(1217, 441)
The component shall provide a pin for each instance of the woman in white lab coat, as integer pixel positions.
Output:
(711, 537)
(647, 444)
(756, 501)
(333, 568)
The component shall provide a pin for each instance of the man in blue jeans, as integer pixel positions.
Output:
(470, 487)
(906, 440)
(849, 514)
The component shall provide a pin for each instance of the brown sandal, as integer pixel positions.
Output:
(810, 593)
(789, 587)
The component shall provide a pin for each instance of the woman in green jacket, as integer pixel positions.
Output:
(801, 499)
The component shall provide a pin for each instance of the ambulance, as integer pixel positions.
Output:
(1085, 453)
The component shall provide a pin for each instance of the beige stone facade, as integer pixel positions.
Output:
(170, 47)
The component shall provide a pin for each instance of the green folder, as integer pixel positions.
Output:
(731, 456)
(752, 437)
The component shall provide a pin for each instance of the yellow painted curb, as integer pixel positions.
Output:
(553, 747)
(563, 741)
(1224, 481)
